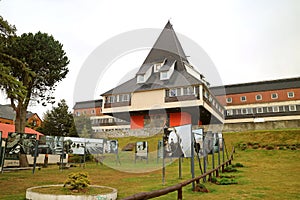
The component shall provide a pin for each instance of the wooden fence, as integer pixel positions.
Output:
(178, 187)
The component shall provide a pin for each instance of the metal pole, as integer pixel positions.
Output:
(0, 148)
(204, 157)
(3, 155)
(192, 158)
(179, 168)
(219, 159)
(35, 155)
(223, 150)
(213, 156)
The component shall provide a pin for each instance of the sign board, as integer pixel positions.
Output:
(178, 142)
(141, 149)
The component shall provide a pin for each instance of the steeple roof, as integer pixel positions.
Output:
(167, 46)
(168, 51)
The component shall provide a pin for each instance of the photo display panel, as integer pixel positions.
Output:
(141, 149)
(19, 143)
(177, 142)
(94, 146)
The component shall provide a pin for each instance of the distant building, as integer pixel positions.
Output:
(88, 108)
(99, 122)
(8, 116)
(261, 105)
(167, 89)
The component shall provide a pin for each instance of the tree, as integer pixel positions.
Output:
(59, 121)
(84, 126)
(47, 63)
(8, 82)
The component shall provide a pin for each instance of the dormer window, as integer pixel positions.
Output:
(164, 75)
(140, 79)
(157, 67)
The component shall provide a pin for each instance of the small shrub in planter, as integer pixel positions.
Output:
(77, 181)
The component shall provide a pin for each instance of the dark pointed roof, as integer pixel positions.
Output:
(167, 50)
(167, 46)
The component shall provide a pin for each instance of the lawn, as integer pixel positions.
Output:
(267, 174)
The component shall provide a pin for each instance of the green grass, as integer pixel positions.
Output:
(267, 174)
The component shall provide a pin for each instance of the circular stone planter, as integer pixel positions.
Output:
(33, 195)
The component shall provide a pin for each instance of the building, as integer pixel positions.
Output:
(88, 108)
(167, 89)
(99, 122)
(261, 105)
(8, 116)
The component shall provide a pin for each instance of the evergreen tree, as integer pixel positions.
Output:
(59, 121)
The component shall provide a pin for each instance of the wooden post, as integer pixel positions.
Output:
(179, 194)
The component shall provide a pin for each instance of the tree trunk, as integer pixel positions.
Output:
(20, 123)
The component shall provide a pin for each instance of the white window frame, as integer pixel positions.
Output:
(229, 100)
(242, 111)
(140, 78)
(276, 96)
(292, 108)
(275, 108)
(244, 99)
(125, 97)
(164, 75)
(291, 96)
(173, 92)
(179, 91)
(258, 99)
(229, 112)
(259, 110)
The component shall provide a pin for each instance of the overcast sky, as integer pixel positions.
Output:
(247, 40)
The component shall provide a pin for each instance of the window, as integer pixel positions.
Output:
(188, 90)
(163, 75)
(275, 109)
(274, 96)
(244, 111)
(269, 109)
(111, 99)
(92, 111)
(173, 92)
(258, 97)
(291, 94)
(125, 97)
(229, 112)
(178, 91)
(228, 100)
(140, 79)
(243, 98)
(205, 94)
(157, 67)
(292, 107)
(259, 110)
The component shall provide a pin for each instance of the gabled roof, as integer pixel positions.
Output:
(88, 104)
(7, 112)
(9, 128)
(270, 85)
(168, 50)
